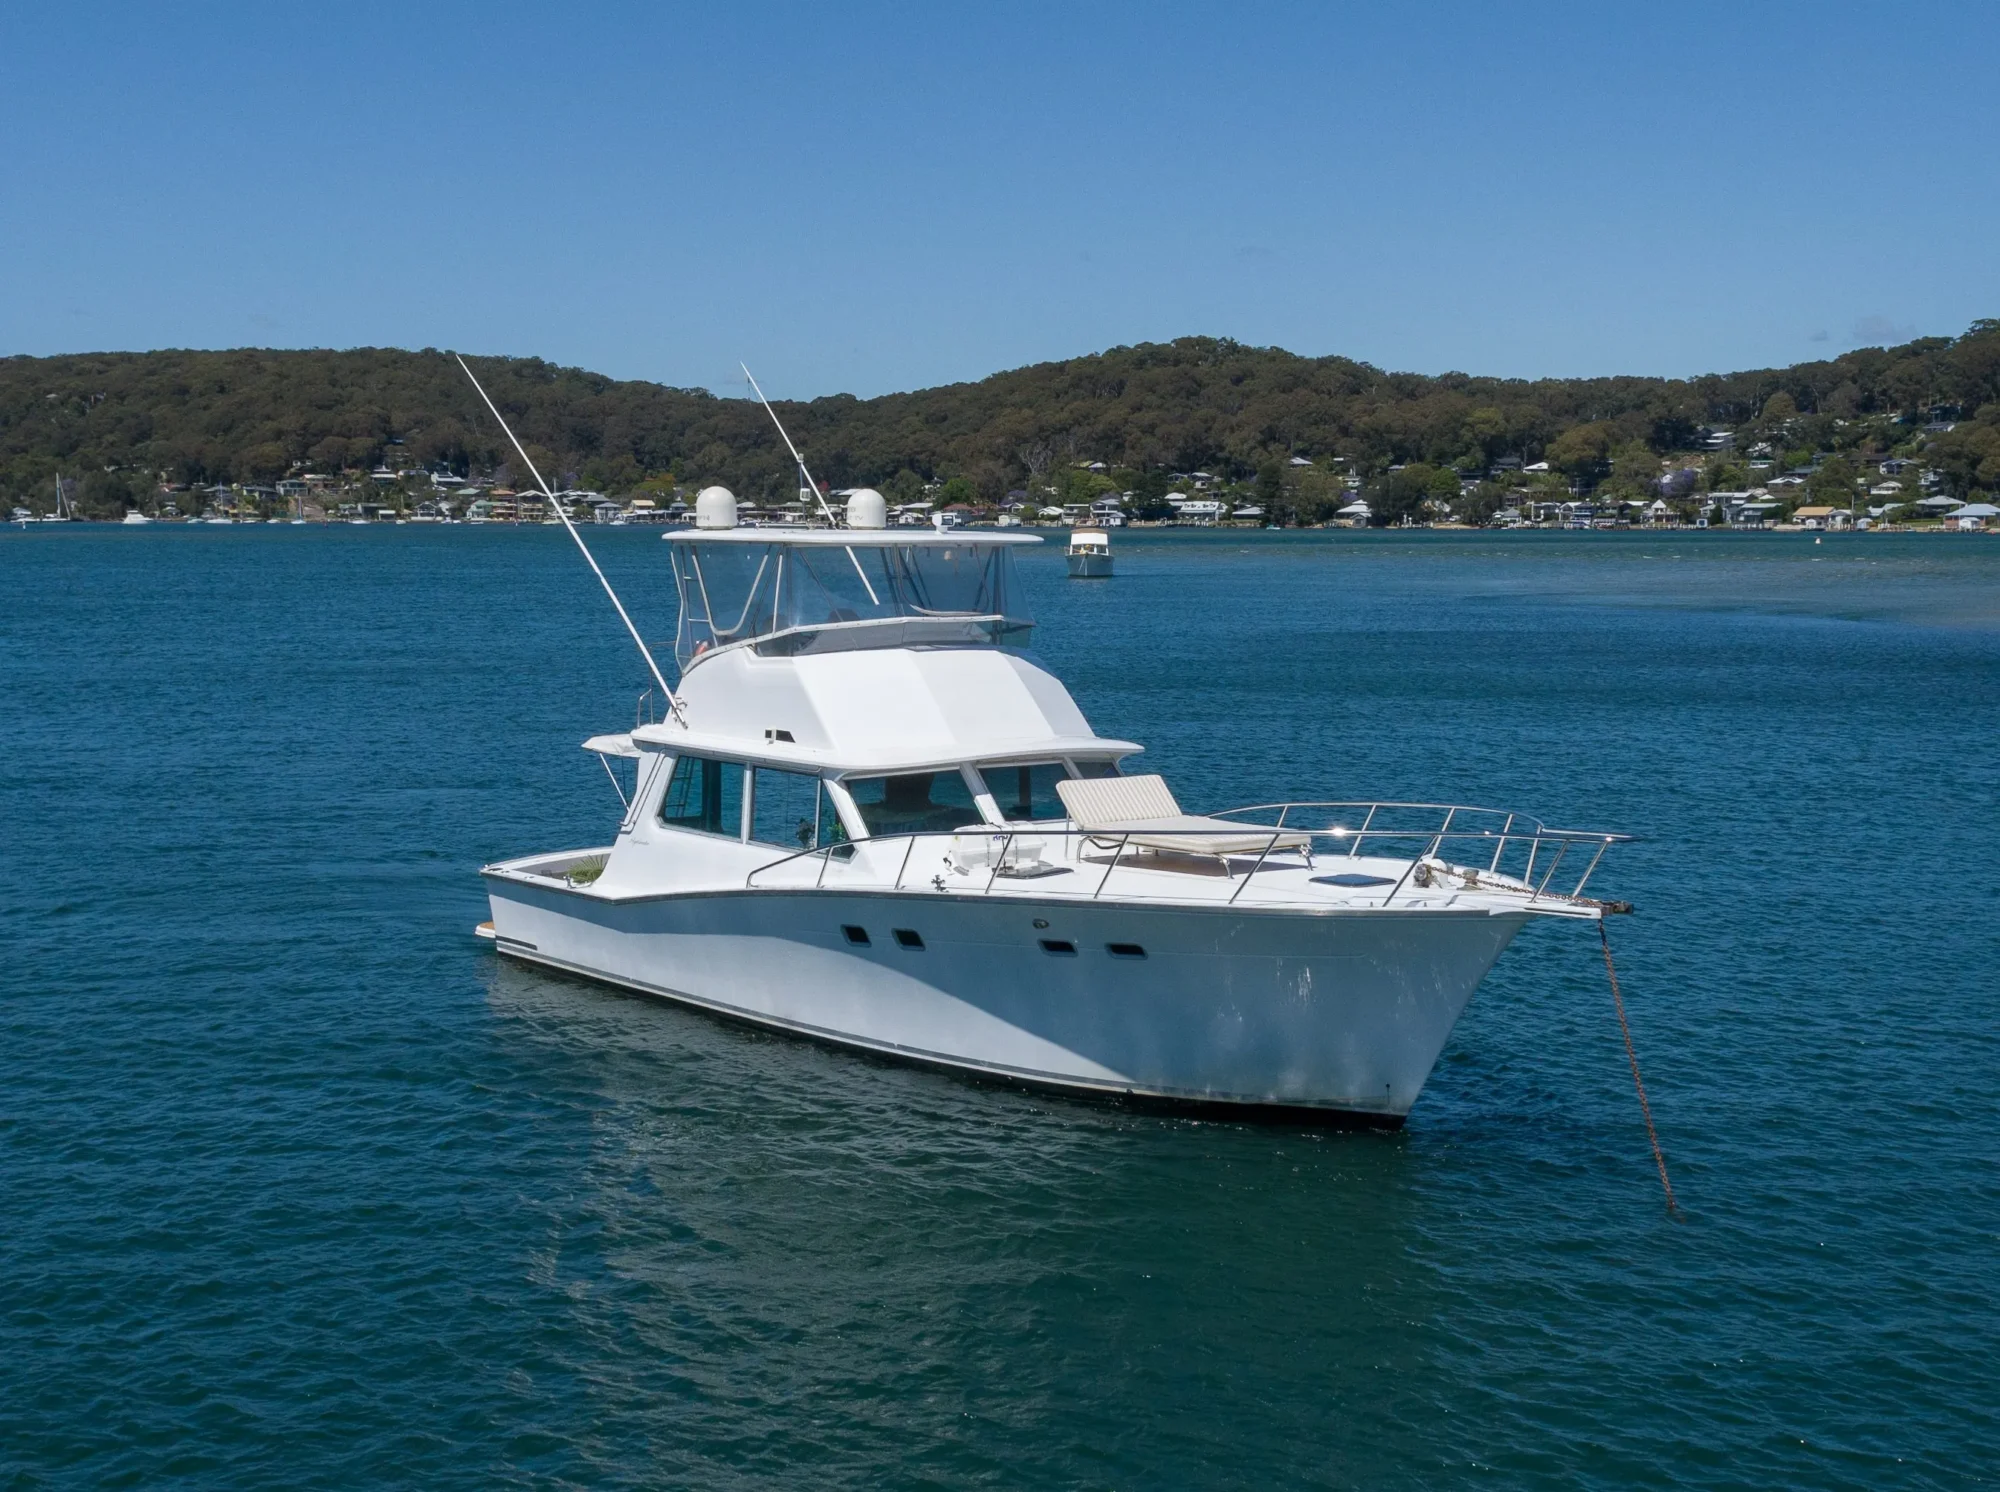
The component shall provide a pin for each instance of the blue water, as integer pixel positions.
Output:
(302, 1187)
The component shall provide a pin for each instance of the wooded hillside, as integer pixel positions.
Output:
(120, 423)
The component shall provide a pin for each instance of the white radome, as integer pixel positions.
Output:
(866, 508)
(715, 507)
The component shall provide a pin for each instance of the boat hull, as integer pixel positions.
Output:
(1335, 1016)
(1090, 567)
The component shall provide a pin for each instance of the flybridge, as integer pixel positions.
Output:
(819, 591)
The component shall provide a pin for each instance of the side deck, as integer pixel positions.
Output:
(1313, 858)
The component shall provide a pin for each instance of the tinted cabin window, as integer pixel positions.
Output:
(706, 795)
(914, 803)
(1097, 769)
(785, 809)
(1027, 792)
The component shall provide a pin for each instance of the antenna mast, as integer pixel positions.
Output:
(852, 558)
(790, 447)
(673, 700)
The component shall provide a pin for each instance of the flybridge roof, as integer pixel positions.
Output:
(851, 538)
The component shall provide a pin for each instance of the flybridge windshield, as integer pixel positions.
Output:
(792, 598)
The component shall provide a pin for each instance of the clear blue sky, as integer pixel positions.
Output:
(873, 198)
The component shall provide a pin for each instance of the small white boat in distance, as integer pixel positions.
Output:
(873, 819)
(1089, 554)
(134, 516)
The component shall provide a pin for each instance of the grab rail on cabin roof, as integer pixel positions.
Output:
(1503, 858)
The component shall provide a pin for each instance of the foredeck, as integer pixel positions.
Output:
(1467, 860)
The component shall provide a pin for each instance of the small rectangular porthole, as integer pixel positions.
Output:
(1061, 947)
(858, 936)
(779, 735)
(1124, 950)
(909, 937)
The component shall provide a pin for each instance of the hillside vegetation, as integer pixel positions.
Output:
(119, 424)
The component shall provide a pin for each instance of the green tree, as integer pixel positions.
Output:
(903, 488)
(1396, 495)
(1777, 409)
(1634, 470)
(1271, 486)
(1833, 483)
(1968, 455)
(1725, 474)
(264, 462)
(1583, 452)
(1478, 506)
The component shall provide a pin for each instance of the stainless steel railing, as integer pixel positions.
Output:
(1483, 848)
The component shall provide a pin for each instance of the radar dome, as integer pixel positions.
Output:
(715, 507)
(867, 509)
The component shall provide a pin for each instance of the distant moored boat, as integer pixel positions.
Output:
(1089, 554)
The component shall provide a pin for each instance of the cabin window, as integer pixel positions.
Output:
(705, 795)
(792, 811)
(1027, 792)
(1097, 768)
(914, 802)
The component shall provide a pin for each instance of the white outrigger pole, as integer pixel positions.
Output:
(796, 457)
(673, 700)
(831, 521)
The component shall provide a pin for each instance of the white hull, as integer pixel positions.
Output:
(1343, 1012)
(1090, 567)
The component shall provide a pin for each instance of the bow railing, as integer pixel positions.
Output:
(1429, 845)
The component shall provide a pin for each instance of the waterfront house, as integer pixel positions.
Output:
(1754, 514)
(1974, 516)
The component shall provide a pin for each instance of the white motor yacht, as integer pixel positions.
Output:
(873, 818)
(1089, 554)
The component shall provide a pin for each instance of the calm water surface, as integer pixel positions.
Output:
(302, 1187)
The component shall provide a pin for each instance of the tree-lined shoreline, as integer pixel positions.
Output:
(1302, 437)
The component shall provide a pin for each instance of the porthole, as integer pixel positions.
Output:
(858, 936)
(1124, 950)
(1061, 947)
(909, 937)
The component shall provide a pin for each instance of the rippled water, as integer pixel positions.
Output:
(302, 1187)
